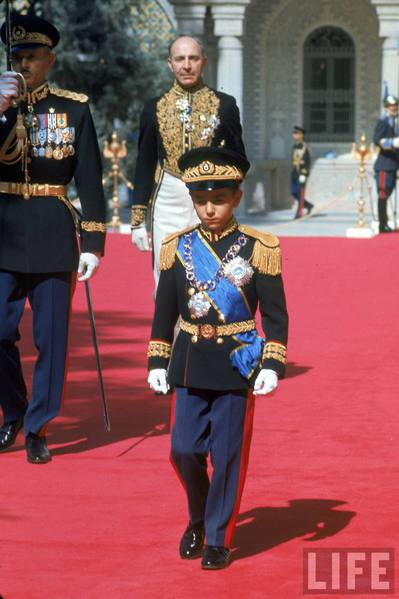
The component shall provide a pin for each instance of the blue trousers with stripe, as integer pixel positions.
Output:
(386, 183)
(50, 298)
(218, 423)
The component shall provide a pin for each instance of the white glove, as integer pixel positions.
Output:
(88, 265)
(9, 88)
(395, 142)
(266, 382)
(140, 237)
(302, 178)
(157, 380)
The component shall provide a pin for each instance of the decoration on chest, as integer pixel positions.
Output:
(238, 271)
(50, 135)
(234, 268)
(198, 305)
(208, 124)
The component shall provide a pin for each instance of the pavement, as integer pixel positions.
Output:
(329, 219)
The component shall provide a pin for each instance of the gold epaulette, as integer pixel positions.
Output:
(266, 255)
(65, 93)
(169, 248)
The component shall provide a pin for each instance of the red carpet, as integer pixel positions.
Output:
(105, 517)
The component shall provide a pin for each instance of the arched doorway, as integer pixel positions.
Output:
(329, 85)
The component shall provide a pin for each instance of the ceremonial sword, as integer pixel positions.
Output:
(77, 217)
(107, 422)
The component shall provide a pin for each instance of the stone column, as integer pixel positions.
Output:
(388, 15)
(190, 17)
(228, 27)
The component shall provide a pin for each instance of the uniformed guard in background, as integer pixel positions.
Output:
(189, 115)
(44, 142)
(214, 276)
(300, 159)
(386, 138)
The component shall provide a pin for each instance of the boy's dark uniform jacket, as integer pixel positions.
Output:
(37, 235)
(164, 137)
(206, 364)
(388, 157)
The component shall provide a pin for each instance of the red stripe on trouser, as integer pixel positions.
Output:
(301, 199)
(172, 420)
(381, 191)
(43, 430)
(246, 444)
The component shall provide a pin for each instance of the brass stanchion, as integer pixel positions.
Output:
(362, 152)
(115, 152)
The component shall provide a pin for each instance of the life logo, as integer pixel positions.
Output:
(351, 570)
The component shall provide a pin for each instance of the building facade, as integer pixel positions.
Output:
(320, 63)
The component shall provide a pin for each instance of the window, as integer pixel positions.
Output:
(329, 85)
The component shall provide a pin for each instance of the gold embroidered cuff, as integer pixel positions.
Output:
(275, 351)
(159, 349)
(139, 213)
(92, 226)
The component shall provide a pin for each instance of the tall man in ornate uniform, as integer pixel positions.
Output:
(189, 115)
(214, 276)
(300, 159)
(44, 142)
(386, 138)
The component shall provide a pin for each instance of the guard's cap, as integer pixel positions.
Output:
(210, 168)
(391, 100)
(30, 32)
(298, 129)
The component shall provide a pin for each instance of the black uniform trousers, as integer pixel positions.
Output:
(218, 423)
(386, 183)
(50, 297)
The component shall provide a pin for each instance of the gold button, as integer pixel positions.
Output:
(219, 340)
(194, 338)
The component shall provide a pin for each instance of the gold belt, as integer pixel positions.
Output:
(33, 189)
(210, 331)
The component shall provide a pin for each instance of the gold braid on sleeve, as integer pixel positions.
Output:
(159, 349)
(138, 216)
(93, 227)
(275, 351)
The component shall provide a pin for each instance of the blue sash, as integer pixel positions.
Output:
(228, 299)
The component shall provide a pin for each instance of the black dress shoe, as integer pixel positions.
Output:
(215, 557)
(309, 207)
(192, 541)
(36, 449)
(385, 229)
(9, 432)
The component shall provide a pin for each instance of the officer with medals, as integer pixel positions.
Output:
(386, 138)
(189, 115)
(45, 141)
(213, 278)
(300, 159)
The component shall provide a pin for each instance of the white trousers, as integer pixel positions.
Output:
(173, 211)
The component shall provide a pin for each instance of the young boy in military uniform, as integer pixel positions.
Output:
(214, 276)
